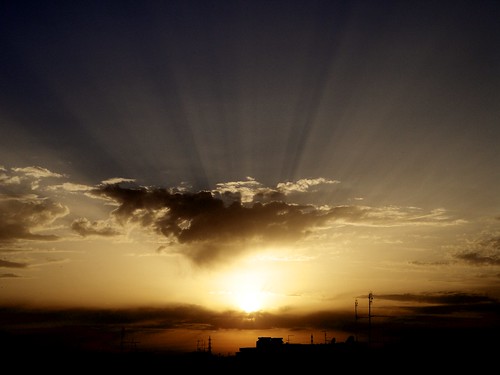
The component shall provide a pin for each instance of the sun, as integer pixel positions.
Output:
(246, 289)
(252, 284)
(249, 301)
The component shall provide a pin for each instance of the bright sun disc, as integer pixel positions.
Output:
(247, 290)
(249, 301)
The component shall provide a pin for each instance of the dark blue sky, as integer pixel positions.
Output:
(210, 91)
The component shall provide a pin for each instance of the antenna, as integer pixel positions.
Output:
(132, 342)
(288, 339)
(357, 317)
(200, 345)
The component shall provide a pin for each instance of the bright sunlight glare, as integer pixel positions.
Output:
(247, 289)
(249, 301)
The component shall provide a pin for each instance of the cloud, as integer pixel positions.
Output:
(484, 250)
(479, 259)
(206, 221)
(24, 213)
(85, 228)
(420, 263)
(205, 226)
(392, 216)
(442, 298)
(218, 224)
(9, 180)
(24, 180)
(117, 180)
(32, 174)
(8, 264)
(8, 276)
(37, 172)
(303, 185)
(71, 187)
(20, 217)
(244, 191)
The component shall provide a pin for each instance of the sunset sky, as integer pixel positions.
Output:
(248, 168)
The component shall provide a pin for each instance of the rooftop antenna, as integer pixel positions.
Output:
(325, 336)
(209, 345)
(200, 345)
(312, 339)
(288, 339)
(133, 343)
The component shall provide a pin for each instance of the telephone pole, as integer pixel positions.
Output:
(370, 300)
(356, 319)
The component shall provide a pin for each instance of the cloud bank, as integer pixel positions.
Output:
(204, 226)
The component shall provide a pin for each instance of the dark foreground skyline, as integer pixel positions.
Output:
(278, 156)
(414, 351)
(123, 340)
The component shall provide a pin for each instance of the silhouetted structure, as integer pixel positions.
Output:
(274, 351)
(127, 345)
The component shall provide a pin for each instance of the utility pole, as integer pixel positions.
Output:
(370, 300)
(356, 319)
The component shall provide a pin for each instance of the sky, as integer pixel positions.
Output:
(237, 169)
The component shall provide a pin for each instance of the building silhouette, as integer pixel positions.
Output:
(273, 350)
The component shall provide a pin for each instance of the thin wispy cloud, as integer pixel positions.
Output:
(9, 276)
